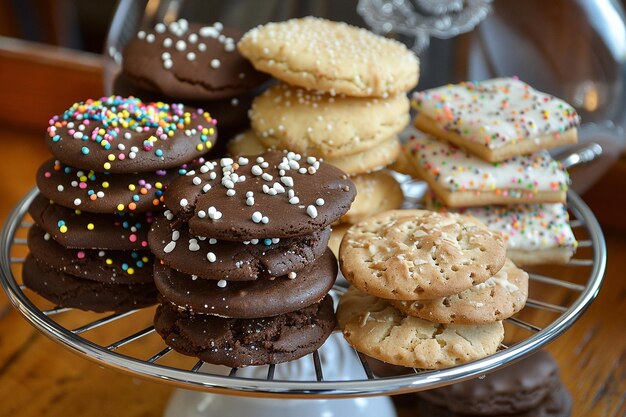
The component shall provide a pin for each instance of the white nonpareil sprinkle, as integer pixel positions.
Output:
(212, 241)
(184, 202)
(222, 283)
(181, 45)
(201, 214)
(319, 202)
(294, 200)
(250, 201)
(206, 188)
(292, 275)
(169, 247)
(196, 181)
(193, 245)
(257, 217)
(191, 56)
(230, 193)
(265, 220)
(211, 257)
(243, 161)
(224, 162)
(175, 235)
(288, 181)
(159, 28)
(311, 211)
(77, 202)
(256, 170)
(267, 177)
(214, 213)
(215, 63)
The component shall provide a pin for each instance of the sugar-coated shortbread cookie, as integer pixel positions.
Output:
(246, 342)
(419, 254)
(109, 266)
(277, 194)
(534, 233)
(376, 328)
(125, 135)
(375, 192)
(496, 119)
(234, 261)
(496, 299)
(460, 179)
(374, 159)
(69, 291)
(190, 61)
(334, 57)
(286, 117)
(76, 229)
(248, 299)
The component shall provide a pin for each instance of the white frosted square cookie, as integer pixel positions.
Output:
(535, 234)
(461, 179)
(496, 119)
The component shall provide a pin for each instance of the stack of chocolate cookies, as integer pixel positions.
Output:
(195, 64)
(243, 265)
(487, 157)
(429, 290)
(341, 97)
(113, 159)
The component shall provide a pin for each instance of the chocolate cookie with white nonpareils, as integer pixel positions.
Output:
(234, 261)
(190, 61)
(248, 299)
(276, 195)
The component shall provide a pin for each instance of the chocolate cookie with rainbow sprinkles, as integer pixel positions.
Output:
(122, 154)
(125, 135)
(77, 229)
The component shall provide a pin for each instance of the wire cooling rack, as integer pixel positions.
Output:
(558, 295)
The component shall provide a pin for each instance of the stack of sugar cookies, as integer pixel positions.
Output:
(341, 97)
(191, 63)
(114, 157)
(429, 290)
(488, 149)
(244, 270)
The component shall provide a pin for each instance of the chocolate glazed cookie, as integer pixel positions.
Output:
(234, 261)
(246, 342)
(126, 135)
(67, 291)
(249, 299)
(277, 194)
(515, 389)
(113, 267)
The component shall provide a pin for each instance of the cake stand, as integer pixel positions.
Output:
(558, 295)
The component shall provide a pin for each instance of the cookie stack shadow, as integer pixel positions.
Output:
(243, 266)
(342, 101)
(98, 197)
(429, 290)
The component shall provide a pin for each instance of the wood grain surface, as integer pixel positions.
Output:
(40, 377)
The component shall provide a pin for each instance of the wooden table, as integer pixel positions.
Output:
(40, 377)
